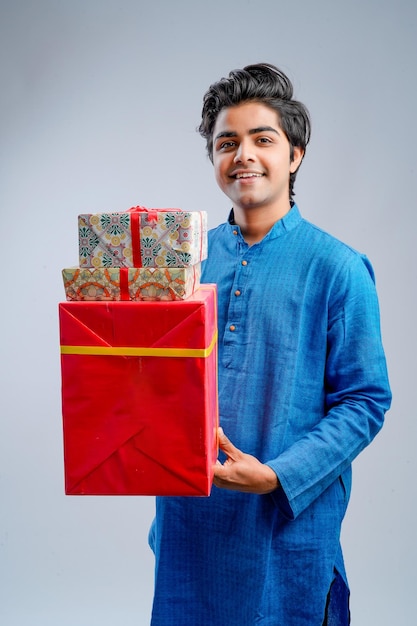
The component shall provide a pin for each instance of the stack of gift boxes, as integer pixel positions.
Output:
(138, 339)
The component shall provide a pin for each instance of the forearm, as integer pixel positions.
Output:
(314, 462)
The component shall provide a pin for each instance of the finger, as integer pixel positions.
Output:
(219, 471)
(226, 445)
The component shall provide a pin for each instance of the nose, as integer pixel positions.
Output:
(243, 153)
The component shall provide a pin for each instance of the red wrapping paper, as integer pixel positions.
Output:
(139, 396)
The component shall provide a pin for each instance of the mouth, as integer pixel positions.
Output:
(246, 175)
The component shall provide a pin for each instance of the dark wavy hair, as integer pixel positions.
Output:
(264, 83)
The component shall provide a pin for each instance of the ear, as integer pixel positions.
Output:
(298, 155)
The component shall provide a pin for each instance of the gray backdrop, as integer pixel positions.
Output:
(99, 104)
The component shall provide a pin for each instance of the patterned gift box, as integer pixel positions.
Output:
(143, 237)
(139, 396)
(150, 283)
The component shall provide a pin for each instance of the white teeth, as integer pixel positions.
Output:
(248, 175)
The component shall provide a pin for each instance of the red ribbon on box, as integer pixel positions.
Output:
(124, 283)
(135, 213)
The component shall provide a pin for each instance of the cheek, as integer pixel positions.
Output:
(219, 172)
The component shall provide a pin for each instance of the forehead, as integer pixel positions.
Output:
(246, 116)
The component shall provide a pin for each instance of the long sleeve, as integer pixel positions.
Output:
(357, 392)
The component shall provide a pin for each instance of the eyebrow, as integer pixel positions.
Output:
(252, 131)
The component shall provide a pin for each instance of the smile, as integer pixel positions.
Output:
(240, 175)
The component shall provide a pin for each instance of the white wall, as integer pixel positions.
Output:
(99, 101)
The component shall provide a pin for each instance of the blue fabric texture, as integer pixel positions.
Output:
(337, 609)
(303, 386)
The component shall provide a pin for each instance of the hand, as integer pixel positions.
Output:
(242, 472)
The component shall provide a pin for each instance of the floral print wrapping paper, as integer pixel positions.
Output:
(163, 284)
(142, 238)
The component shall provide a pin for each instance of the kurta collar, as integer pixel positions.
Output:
(282, 226)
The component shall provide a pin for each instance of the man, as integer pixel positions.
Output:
(303, 386)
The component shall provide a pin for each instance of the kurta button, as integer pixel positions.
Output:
(235, 232)
(244, 262)
(237, 292)
(232, 328)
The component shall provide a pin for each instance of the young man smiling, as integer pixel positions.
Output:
(252, 162)
(303, 386)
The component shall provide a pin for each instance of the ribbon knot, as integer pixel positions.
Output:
(151, 213)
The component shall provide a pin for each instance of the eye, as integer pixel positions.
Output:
(225, 145)
(264, 140)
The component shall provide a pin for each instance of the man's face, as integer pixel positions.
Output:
(251, 157)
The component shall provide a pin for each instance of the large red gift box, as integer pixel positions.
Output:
(139, 396)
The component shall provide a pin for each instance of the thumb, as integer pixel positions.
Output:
(226, 445)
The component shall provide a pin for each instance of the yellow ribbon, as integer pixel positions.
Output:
(139, 351)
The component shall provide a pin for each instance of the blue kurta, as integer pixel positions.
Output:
(303, 387)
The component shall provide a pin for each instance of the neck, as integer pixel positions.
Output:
(255, 224)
